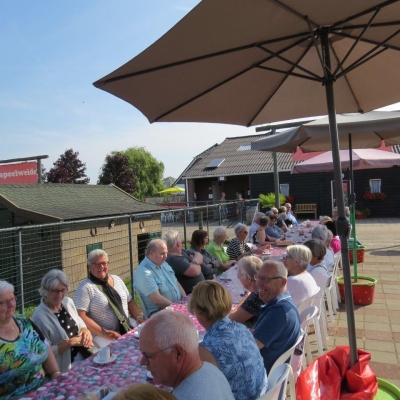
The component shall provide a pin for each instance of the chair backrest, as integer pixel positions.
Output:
(277, 382)
(306, 303)
(287, 354)
(142, 306)
(307, 315)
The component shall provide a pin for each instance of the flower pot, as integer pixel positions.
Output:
(360, 254)
(387, 391)
(360, 216)
(363, 289)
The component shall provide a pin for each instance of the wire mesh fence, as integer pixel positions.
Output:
(27, 253)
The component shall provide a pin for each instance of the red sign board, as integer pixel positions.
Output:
(19, 173)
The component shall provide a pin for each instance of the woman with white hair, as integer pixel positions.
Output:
(60, 323)
(301, 284)
(25, 357)
(237, 247)
(249, 308)
(216, 249)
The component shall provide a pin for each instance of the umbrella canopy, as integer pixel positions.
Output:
(252, 62)
(172, 190)
(367, 130)
(362, 159)
(248, 63)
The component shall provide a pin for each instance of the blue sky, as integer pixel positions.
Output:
(52, 52)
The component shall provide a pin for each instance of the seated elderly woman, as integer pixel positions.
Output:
(228, 345)
(272, 230)
(300, 283)
(104, 303)
(210, 265)
(335, 242)
(321, 232)
(60, 323)
(24, 355)
(216, 249)
(329, 256)
(281, 222)
(260, 238)
(249, 308)
(316, 266)
(237, 247)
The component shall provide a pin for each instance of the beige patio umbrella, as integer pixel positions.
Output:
(253, 62)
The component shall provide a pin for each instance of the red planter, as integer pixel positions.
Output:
(360, 216)
(363, 290)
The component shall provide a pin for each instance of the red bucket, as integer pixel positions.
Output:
(360, 255)
(363, 290)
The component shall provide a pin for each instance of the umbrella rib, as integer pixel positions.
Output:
(356, 42)
(104, 82)
(226, 81)
(318, 79)
(369, 54)
(362, 13)
(369, 41)
(277, 87)
(346, 79)
(290, 63)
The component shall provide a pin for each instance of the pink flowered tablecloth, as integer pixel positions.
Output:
(126, 369)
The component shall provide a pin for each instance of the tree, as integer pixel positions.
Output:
(68, 169)
(168, 181)
(149, 172)
(116, 169)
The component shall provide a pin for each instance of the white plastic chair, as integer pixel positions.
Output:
(306, 317)
(307, 302)
(330, 291)
(277, 383)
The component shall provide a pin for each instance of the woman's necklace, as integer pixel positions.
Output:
(10, 325)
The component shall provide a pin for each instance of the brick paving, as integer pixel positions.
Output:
(378, 324)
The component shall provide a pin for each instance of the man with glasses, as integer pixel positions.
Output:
(169, 346)
(278, 326)
(155, 280)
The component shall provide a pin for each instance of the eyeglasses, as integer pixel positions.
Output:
(148, 357)
(287, 256)
(239, 275)
(264, 279)
(58, 291)
(9, 301)
(246, 232)
(101, 264)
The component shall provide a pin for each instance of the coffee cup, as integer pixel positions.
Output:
(104, 354)
(169, 308)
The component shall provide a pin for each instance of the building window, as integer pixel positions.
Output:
(284, 189)
(375, 185)
(94, 246)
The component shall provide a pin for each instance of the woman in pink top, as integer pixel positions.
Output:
(335, 243)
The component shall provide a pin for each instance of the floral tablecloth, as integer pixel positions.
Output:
(126, 369)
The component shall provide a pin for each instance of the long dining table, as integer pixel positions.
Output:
(88, 376)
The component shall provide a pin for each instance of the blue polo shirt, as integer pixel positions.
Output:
(149, 278)
(277, 328)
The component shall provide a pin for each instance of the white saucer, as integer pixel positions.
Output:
(136, 335)
(149, 375)
(111, 359)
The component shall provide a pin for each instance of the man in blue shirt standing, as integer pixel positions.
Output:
(155, 280)
(278, 326)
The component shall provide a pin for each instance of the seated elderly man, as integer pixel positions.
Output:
(272, 230)
(289, 214)
(186, 266)
(256, 223)
(169, 346)
(278, 326)
(155, 280)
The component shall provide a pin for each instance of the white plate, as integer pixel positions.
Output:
(98, 361)
(136, 335)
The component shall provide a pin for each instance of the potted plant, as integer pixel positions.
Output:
(362, 214)
(379, 196)
(289, 199)
(268, 200)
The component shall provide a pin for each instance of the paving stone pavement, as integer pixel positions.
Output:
(378, 324)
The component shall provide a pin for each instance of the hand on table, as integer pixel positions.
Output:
(87, 338)
(111, 335)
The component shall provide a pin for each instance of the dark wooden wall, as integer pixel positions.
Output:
(316, 188)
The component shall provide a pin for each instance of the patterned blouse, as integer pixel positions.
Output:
(238, 357)
(236, 249)
(252, 305)
(21, 360)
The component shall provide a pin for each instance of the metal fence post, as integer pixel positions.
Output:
(21, 273)
(207, 219)
(219, 215)
(130, 248)
(184, 226)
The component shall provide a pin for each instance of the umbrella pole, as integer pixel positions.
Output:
(342, 222)
(276, 174)
(353, 209)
